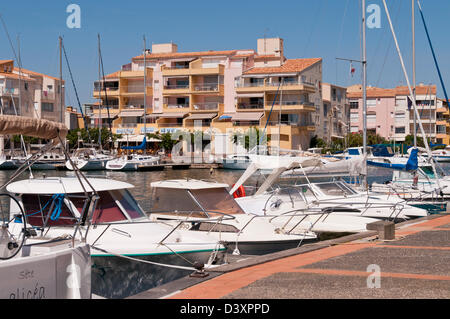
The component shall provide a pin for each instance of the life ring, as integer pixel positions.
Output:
(240, 192)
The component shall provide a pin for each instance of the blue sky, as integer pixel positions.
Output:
(320, 28)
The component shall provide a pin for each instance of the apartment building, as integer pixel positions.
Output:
(216, 91)
(390, 113)
(442, 122)
(335, 112)
(39, 94)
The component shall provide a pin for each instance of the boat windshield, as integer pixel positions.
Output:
(335, 189)
(113, 206)
(181, 201)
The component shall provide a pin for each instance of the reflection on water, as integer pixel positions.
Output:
(142, 180)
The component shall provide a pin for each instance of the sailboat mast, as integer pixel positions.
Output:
(60, 80)
(364, 90)
(414, 66)
(100, 123)
(145, 95)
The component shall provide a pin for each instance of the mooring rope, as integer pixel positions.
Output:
(144, 261)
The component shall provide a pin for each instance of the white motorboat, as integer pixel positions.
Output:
(319, 207)
(88, 159)
(236, 162)
(129, 253)
(207, 207)
(441, 155)
(132, 162)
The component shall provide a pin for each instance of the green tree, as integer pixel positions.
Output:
(254, 133)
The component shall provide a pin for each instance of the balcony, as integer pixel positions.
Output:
(47, 95)
(136, 90)
(195, 68)
(249, 106)
(176, 89)
(175, 107)
(261, 86)
(9, 91)
(136, 74)
(292, 106)
(207, 88)
(205, 107)
(110, 91)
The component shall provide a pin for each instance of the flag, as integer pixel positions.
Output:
(352, 69)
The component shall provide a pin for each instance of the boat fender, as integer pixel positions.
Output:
(240, 192)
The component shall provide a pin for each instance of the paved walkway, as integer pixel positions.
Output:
(414, 265)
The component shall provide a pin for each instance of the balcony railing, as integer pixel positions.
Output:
(177, 106)
(48, 95)
(176, 86)
(206, 87)
(205, 106)
(249, 85)
(108, 89)
(135, 88)
(9, 91)
(295, 103)
(248, 106)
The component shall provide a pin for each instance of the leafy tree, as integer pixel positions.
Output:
(244, 138)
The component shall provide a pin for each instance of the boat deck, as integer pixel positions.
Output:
(414, 265)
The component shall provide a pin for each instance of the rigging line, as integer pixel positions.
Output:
(432, 51)
(389, 47)
(104, 88)
(75, 88)
(317, 20)
(338, 47)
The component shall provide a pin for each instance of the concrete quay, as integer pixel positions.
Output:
(416, 264)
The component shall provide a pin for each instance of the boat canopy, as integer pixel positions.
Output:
(64, 185)
(278, 165)
(15, 125)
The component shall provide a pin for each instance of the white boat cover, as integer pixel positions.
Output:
(278, 164)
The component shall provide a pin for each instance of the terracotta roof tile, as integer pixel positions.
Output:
(185, 54)
(290, 66)
(373, 92)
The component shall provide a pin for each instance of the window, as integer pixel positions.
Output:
(400, 130)
(354, 105)
(47, 107)
(371, 102)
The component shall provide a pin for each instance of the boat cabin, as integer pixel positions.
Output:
(60, 201)
(192, 197)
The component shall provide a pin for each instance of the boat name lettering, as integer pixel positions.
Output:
(37, 293)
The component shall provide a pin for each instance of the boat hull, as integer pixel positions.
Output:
(117, 277)
(265, 247)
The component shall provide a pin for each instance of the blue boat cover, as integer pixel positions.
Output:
(139, 147)
(411, 165)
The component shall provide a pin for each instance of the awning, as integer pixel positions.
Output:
(226, 117)
(202, 116)
(104, 115)
(172, 115)
(131, 113)
(247, 116)
(251, 95)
